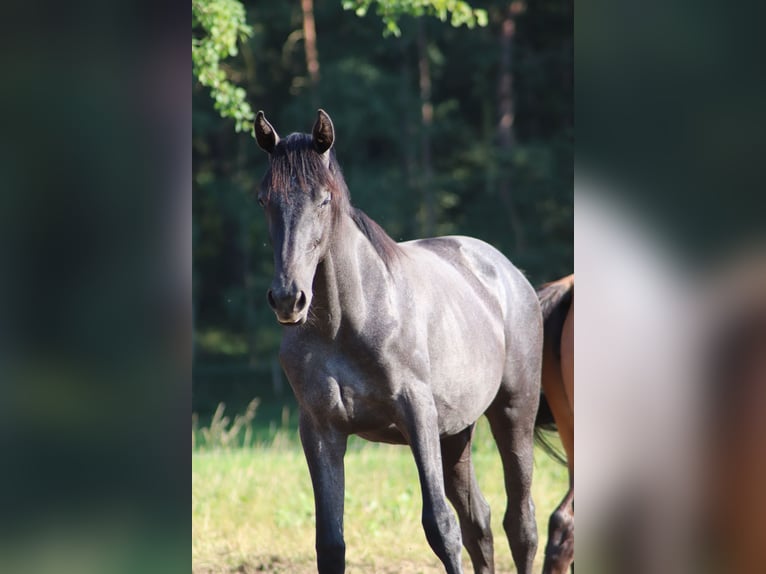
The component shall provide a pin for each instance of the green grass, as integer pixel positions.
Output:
(252, 508)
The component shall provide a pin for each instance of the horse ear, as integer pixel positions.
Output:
(265, 134)
(323, 132)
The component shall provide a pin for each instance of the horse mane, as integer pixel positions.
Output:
(295, 161)
(386, 248)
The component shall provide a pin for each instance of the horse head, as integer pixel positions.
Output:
(297, 195)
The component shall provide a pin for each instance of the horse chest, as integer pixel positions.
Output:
(354, 393)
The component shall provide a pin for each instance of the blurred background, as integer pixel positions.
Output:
(96, 253)
(439, 130)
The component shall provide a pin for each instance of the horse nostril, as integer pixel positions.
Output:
(270, 297)
(301, 303)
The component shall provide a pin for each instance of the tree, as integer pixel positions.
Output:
(310, 44)
(460, 13)
(505, 131)
(217, 26)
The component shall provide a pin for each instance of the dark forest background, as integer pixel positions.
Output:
(441, 130)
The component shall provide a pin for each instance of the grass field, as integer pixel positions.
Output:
(252, 508)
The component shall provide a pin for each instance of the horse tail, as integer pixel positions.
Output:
(544, 423)
(555, 300)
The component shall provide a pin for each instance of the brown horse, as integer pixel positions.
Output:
(557, 406)
(735, 451)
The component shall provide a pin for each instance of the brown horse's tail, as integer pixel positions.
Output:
(555, 300)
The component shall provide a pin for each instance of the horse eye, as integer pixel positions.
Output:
(325, 202)
(261, 202)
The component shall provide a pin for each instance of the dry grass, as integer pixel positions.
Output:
(252, 509)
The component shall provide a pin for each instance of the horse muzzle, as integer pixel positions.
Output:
(290, 305)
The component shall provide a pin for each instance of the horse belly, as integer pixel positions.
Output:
(465, 312)
(465, 378)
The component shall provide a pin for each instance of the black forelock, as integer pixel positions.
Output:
(296, 164)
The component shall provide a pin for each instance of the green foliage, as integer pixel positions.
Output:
(459, 13)
(217, 26)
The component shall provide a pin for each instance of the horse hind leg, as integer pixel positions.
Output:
(512, 417)
(558, 386)
(471, 507)
(559, 552)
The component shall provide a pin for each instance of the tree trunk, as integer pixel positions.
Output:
(426, 121)
(505, 131)
(408, 145)
(310, 43)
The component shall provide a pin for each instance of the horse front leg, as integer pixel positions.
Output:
(420, 426)
(324, 449)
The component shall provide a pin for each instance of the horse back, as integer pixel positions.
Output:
(497, 309)
(491, 278)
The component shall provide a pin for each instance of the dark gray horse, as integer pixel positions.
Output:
(402, 343)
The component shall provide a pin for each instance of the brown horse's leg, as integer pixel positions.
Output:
(472, 509)
(559, 552)
(511, 418)
(558, 386)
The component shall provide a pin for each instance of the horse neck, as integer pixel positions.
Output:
(344, 278)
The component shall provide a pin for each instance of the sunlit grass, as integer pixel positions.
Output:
(252, 508)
